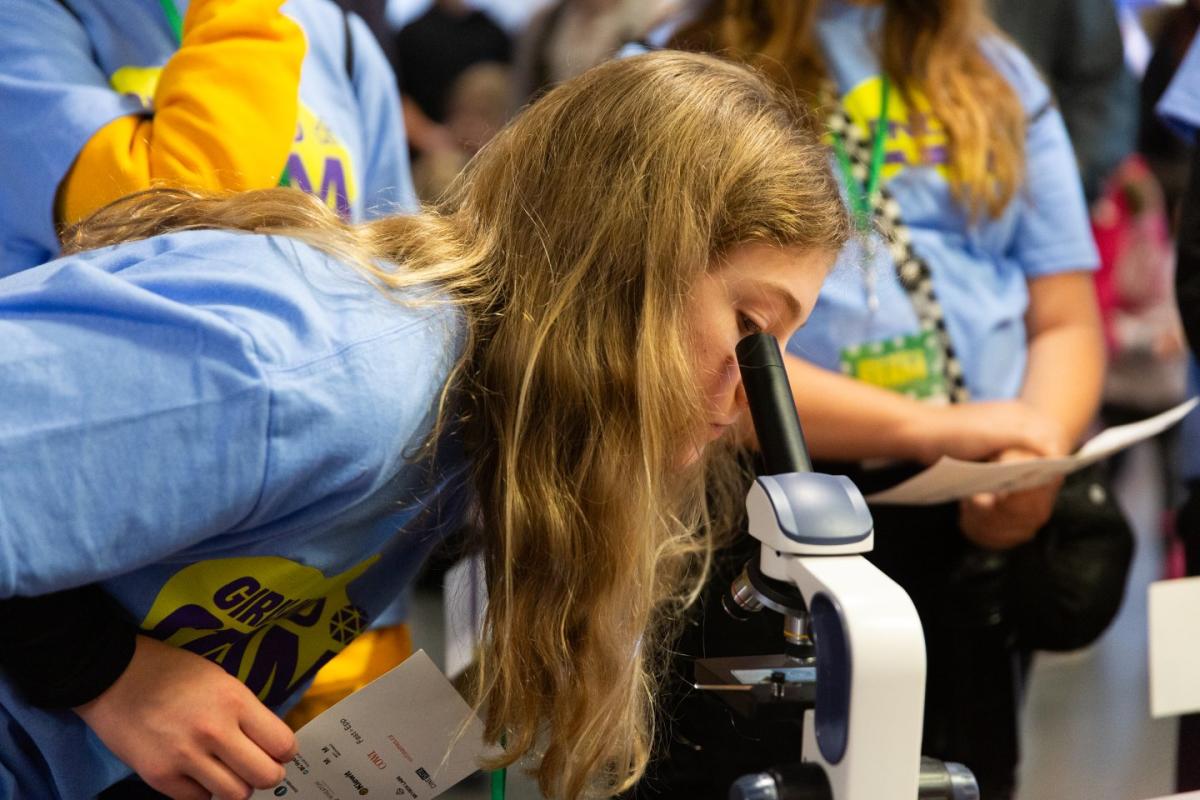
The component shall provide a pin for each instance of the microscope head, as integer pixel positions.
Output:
(809, 513)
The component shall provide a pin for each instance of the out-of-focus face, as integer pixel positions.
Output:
(757, 288)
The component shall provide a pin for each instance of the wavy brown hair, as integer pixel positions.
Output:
(931, 46)
(571, 244)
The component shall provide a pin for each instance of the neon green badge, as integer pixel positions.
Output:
(912, 365)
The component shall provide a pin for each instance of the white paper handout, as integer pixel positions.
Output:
(951, 479)
(1174, 651)
(397, 737)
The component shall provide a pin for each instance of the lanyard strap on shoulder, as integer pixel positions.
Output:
(174, 18)
(913, 272)
(862, 191)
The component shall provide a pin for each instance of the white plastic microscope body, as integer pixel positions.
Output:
(865, 730)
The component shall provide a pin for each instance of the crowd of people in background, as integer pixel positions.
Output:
(1016, 201)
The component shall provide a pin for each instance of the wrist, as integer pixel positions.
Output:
(917, 436)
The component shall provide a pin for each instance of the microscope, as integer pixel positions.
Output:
(853, 661)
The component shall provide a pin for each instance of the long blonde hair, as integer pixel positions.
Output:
(571, 244)
(930, 46)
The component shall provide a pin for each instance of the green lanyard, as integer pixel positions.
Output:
(174, 20)
(862, 198)
(175, 23)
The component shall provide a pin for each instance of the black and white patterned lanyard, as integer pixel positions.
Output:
(912, 271)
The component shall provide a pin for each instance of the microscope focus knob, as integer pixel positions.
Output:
(790, 782)
(946, 780)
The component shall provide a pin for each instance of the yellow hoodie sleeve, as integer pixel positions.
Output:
(225, 112)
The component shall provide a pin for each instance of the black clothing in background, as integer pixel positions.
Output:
(1187, 259)
(1164, 150)
(1078, 48)
(438, 46)
(373, 12)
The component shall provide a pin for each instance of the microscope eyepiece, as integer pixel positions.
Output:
(769, 395)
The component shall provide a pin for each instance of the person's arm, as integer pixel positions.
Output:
(848, 420)
(155, 706)
(215, 125)
(1065, 372)
(1052, 242)
(424, 134)
(187, 727)
(1063, 380)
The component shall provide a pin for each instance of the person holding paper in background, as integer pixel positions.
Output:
(962, 323)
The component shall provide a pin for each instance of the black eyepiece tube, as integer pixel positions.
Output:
(780, 439)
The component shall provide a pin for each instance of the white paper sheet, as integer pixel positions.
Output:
(1174, 652)
(397, 737)
(951, 479)
(464, 605)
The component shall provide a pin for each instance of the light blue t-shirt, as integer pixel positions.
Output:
(223, 430)
(980, 270)
(1180, 104)
(65, 74)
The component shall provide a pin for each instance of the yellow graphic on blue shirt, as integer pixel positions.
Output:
(269, 621)
(915, 137)
(319, 163)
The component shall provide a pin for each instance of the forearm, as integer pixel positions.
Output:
(213, 127)
(1065, 372)
(847, 420)
(423, 133)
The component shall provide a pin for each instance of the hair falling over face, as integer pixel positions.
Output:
(571, 244)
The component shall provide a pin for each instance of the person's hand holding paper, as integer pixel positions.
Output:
(952, 479)
(1002, 520)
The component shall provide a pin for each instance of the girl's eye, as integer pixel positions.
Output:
(747, 326)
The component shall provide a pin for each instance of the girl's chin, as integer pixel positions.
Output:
(694, 452)
(716, 431)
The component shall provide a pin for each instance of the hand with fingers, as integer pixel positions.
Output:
(188, 728)
(986, 430)
(997, 521)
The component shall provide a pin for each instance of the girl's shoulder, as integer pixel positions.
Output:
(1016, 68)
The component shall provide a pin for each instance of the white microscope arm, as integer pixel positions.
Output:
(866, 728)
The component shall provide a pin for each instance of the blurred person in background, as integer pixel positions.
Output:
(1077, 46)
(479, 105)
(432, 52)
(569, 36)
(1179, 108)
